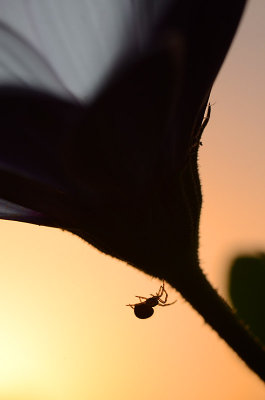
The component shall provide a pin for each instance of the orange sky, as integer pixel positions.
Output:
(65, 331)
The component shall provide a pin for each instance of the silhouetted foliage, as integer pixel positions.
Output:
(246, 288)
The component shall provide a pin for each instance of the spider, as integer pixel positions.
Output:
(196, 141)
(144, 309)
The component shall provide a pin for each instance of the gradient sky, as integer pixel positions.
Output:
(65, 330)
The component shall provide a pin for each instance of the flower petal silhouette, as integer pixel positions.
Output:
(120, 169)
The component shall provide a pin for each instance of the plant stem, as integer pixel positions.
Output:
(217, 313)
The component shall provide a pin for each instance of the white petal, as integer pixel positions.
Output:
(21, 64)
(77, 43)
(15, 212)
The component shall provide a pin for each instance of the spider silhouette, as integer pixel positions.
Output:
(144, 309)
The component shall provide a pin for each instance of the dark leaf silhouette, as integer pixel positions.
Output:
(246, 289)
(121, 171)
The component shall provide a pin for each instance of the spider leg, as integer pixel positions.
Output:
(159, 293)
(141, 297)
(205, 121)
(162, 288)
(168, 304)
(133, 305)
(165, 300)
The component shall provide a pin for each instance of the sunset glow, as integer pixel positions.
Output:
(66, 332)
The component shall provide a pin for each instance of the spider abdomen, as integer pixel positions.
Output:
(143, 311)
